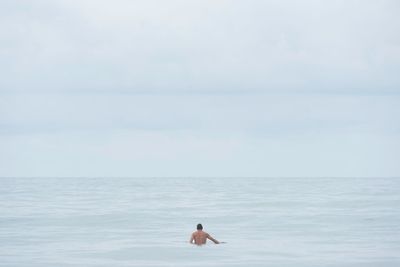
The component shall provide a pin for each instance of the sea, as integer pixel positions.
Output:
(296, 222)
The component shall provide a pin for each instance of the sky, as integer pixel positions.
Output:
(199, 88)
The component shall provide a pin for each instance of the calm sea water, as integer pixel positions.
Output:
(148, 222)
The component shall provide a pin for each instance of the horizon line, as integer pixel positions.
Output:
(204, 177)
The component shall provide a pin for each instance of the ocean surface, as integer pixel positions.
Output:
(148, 221)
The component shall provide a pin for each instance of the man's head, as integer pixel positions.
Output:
(199, 227)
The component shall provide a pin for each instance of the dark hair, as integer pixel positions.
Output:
(199, 227)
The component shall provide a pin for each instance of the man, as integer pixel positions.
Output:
(200, 237)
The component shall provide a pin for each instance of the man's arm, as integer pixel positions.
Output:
(191, 239)
(212, 239)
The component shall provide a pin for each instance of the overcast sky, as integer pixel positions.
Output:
(199, 88)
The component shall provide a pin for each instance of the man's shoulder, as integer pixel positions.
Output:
(201, 233)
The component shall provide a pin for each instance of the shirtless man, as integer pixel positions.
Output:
(200, 237)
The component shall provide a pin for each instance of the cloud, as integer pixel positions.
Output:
(252, 115)
(229, 88)
(180, 46)
(175, 135)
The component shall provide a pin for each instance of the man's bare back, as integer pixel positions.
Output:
(200, 237)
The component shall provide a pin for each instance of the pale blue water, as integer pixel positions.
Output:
(148, 222)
